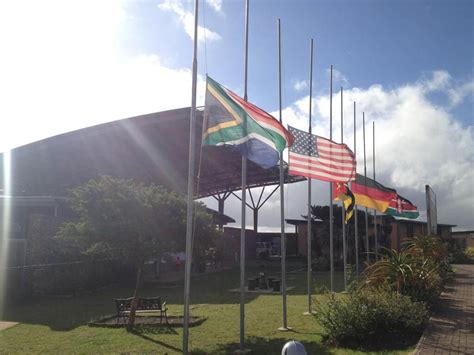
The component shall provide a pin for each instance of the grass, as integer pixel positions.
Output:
(59, 325)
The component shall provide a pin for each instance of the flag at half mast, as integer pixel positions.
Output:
(319, 158)
(230, 120)
(402, 207)
(371, 194)
(342, 192)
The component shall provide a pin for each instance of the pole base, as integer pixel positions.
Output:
(242, 351)
(309, 313)
(285, 329)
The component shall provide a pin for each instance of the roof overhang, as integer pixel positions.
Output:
(152, 148)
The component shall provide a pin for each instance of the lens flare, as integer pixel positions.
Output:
(5, 229)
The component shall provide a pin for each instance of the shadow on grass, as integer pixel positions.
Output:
(143, 332)
(259, 345)
(64, 314)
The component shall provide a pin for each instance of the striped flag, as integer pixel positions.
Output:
(371, 194)
(319, 158)
(230, 120)
(402, 207)
(342, 192)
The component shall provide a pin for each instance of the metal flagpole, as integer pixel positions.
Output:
(367, 245)
(190, 202)
(356, 237)
(310, 219)
(344, 246)
(244, 195)
(282, 200)
(375, 211)
(331, 232)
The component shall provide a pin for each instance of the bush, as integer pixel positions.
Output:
(459, 256)
(372, 318)
(408, 274)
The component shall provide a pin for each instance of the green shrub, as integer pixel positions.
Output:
(409, 274)
(459, 256)
(372, 318)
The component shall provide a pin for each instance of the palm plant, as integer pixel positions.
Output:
(393, 270)
(405, 273)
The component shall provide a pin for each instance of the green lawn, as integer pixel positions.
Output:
(59, 325)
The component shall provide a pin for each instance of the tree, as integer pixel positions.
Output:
(133, 222)
(320, 245)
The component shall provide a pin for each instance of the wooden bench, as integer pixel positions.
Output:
(145, 305)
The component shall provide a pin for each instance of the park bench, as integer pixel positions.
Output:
(145, 305)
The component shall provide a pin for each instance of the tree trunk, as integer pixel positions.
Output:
(133, 308)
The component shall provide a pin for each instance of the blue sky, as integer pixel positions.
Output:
(408, 64)
(386, 42)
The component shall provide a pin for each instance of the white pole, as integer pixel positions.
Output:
(375, 211)
(309, 184)
(282, 200)
(366, 209)
(244, 196)
(190, 202)
(331, 232)
(356, 226)
(344, 246)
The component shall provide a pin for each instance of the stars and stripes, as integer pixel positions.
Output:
(319, 158)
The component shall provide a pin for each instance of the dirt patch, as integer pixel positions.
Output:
(155, 321)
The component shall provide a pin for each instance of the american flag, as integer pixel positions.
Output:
(319, 158)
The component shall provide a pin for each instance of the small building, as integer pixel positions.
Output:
(301, 231)
(463, 239)
(397, 229)
(229, 244)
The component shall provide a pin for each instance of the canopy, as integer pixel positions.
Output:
(151, 148)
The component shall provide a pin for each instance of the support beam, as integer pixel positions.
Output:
(255, 220)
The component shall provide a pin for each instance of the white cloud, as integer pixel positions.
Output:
(216, 5)
(186, 19)
(418, 142)
(458, 94)
(339, 79)
(300, 85)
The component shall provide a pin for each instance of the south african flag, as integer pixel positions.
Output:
(230, 120)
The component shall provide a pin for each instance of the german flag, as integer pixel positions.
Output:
(369, 193)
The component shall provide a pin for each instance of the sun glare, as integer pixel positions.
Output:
(5, 229)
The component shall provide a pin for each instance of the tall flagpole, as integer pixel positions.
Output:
(282, 200)
(375, 211)
(367, 245)
(344, 246)
(190, 202)
(310, 219)
(331, 232)
(356, 226)
(244, 196)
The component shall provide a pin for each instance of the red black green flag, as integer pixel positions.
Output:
(402, 207)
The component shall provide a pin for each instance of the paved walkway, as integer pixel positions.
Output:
(451, 329)
(6, 325)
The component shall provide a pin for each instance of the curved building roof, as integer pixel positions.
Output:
(151, 148)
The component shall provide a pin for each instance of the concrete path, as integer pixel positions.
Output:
(451, 329)
(6, 325)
